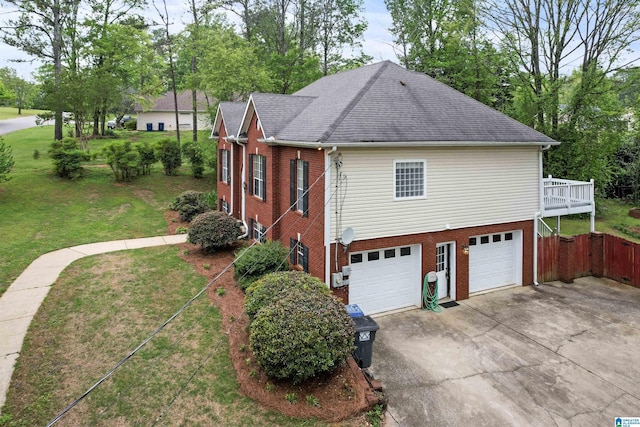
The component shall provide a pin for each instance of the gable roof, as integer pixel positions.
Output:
(229, 113)
(382, 104)
(165, 102)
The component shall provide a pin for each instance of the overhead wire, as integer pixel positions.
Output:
(175, 315)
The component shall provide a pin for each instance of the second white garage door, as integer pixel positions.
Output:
(495, 260)
(385, 279)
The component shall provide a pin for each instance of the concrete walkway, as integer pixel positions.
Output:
(19, 304)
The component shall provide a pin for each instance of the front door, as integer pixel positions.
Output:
(442, 269)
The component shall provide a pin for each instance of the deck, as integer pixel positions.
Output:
(565, 197)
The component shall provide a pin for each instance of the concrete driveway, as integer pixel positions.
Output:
(556, 355)
(12, 125)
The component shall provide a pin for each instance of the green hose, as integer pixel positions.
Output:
(430, 299)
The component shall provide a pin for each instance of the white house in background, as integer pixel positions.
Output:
(159, 114)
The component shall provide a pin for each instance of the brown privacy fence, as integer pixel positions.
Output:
(595, 254)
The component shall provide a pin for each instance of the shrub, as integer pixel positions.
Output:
(258, 260)
(302, 335)
(6, 161)
(275, 286)
(122, 159)
(195, 154)
(168, 152)
(36, 154)
(67, 158)
(131, 124)
(189, 204)
(213, 230)
(147, 156)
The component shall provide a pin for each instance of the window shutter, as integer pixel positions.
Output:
(220, 154)
(220, 204)
(292, 250)
(305, 261)
(250, 183)
(250, 225)
(292, 184)
(305, 186)
(264, 179)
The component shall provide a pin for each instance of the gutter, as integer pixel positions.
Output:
(403, 144)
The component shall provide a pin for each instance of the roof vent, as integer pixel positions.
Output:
(403, 83)
(243, 135)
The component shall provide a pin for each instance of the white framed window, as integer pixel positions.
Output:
(259, 232)
(299, 254)
(300, 185)
(409, 179)
(258, 176)
(441, 258)
(224, 170)
(224, 206)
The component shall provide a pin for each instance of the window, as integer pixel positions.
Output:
(406, 251)
(224, 165)
(409, 179)
(258, 176)
(497, 238)
(299, 185)
(257, 231)
(389, 253)
(441, 254)
(373, 256)
(484, 240)
(472, 241)
(356, 258)
(299, 254)
(224, 206)
(508, 236)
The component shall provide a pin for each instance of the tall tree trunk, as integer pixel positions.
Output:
(57, 68)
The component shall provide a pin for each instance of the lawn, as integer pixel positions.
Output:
(12, 113)
(42, 213)
(612, 218)
(100, 309)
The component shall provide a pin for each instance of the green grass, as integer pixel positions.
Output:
(11, 113)
(42, 213)
(612, 218)
(100, 309)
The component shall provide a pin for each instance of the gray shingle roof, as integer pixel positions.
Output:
(165, 102)
(385, 103)
(232, 113)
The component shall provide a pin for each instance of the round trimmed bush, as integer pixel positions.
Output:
(258, 260)
(275, 286)
(213, 230)
(303, 335)
(190, 204)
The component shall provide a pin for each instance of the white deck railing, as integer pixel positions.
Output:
(565, 197)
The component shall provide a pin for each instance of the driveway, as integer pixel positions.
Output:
(560, 354)
(12, 125)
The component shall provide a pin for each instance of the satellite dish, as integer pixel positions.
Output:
(347, 236)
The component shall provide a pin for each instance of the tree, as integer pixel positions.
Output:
(6, 161)
(39, 31)
(19, 90)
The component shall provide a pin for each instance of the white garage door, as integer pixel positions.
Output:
(495, 260)
(385, 279)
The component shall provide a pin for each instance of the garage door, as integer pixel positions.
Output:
(385, 279)
(495, 260)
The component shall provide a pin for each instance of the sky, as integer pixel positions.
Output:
(377, 39)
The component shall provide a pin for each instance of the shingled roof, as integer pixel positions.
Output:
(165, 102)
(231, 113)
(385, 103)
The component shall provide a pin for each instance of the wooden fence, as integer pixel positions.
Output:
(588, 254)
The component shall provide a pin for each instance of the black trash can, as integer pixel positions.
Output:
(366, 329)
(149, 126)
(161, 126)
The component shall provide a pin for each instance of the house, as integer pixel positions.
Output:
(159, 113)
(376, 176)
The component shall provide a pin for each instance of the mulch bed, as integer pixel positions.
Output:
(343, 395)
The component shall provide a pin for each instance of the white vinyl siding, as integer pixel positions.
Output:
(466, 186)
(169, 120)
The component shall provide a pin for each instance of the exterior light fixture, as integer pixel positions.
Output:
(465, 249)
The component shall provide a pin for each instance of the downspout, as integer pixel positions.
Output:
(538, 215)
(243, 170)
(327, 216)
(231, 175)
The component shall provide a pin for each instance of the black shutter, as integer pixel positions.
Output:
(293, 251)
(264, 179)
(250, 183)
(305, 187)
(250, 225)
(305, 261)
(220, 154)
(292, 184)
(220, 204)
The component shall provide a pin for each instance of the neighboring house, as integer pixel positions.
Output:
(159, 113)
(427, 178)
